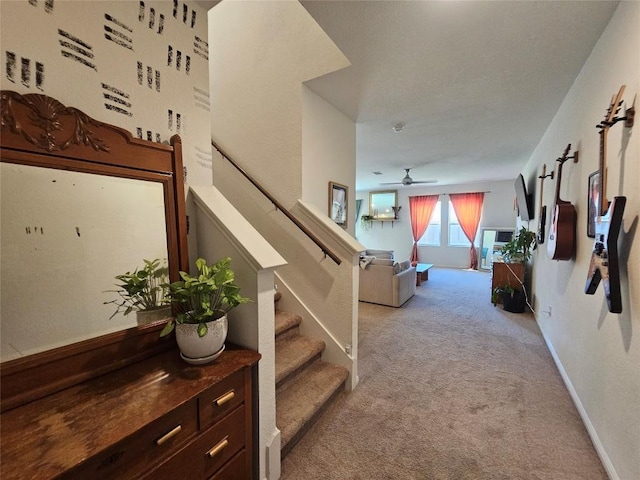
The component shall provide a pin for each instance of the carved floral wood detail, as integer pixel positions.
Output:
(47, 117)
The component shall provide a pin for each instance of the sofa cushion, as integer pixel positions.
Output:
(386, 262)
(379, 284)
(380, 253)
(401, 267)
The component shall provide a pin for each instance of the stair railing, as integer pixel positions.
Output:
(326, 250)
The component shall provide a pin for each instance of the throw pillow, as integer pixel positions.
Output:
(366, 260)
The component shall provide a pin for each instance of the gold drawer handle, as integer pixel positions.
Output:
(219, 447)
(169, 435)
(224, 398)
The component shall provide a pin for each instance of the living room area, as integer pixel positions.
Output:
(443, 244)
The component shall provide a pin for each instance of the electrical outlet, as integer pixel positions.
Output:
(347, 349)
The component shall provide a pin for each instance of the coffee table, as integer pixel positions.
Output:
(422, 272)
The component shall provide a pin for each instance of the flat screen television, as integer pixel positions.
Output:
(504, 236)
(524, 201)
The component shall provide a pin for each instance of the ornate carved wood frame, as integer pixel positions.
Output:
(39, 130)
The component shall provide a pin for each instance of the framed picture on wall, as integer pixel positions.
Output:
(593, 199)
(338, 203)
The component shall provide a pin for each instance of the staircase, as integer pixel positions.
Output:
(305, 385)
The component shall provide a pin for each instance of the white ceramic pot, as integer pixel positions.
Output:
(144, 317)
(202, 348)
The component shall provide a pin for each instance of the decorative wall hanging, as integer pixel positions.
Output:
(562, 234)
(593, 195)
(338, 203)
(382, 204)
(604, 259)
(542, 215)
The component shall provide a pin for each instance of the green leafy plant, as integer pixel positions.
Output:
(141, 290)
(499, 291)
(519, 248)
(207, 296)
(366, 221)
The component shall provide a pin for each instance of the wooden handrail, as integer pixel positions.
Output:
(326, 250)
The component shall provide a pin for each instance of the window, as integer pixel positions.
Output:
(457, 238)
(431, 235)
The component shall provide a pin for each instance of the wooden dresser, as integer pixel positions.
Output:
(120, 405)
(501, 275)
(156, 419)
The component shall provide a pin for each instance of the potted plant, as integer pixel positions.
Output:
(201, 305)
(516, 250)
(366, 221)
(143, 291)
(519, 248)
(513, 300)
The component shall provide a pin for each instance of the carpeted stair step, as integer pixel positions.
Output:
(287, 326)
(300, 402)
(295, 354)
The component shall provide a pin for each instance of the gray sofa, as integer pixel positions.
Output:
(384, 281)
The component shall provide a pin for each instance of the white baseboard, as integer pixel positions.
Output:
(600, 450)
(272, 454)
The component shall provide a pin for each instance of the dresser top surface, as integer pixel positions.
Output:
(98, 413)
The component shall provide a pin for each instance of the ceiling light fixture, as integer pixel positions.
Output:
(398, 127)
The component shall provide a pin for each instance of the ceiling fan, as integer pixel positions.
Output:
(407, 180)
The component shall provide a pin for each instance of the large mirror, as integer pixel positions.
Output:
(64, 237)
(493, 239)
(82, 202)
(383, 205)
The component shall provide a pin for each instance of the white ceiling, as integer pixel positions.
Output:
(476, 82)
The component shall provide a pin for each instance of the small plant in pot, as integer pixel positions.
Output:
(366, 221)
(143, 291)
(202, 303)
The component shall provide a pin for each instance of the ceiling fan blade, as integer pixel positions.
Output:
(407, 180)
(413, 182)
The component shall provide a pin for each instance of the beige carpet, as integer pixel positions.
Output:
(452, 388)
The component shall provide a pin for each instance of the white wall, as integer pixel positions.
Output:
(60, 49)
(31, 32)
(328, 153)
(497, 211)
(598, 352)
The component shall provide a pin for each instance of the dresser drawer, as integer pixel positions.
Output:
(220, 399)
(146, 447)
(236, 469)
(207, 453)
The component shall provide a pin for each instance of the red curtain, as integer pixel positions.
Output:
(468, 207)
(420, 210)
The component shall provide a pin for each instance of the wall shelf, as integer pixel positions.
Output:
(382, 221)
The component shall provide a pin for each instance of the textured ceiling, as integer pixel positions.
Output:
(476, 82)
